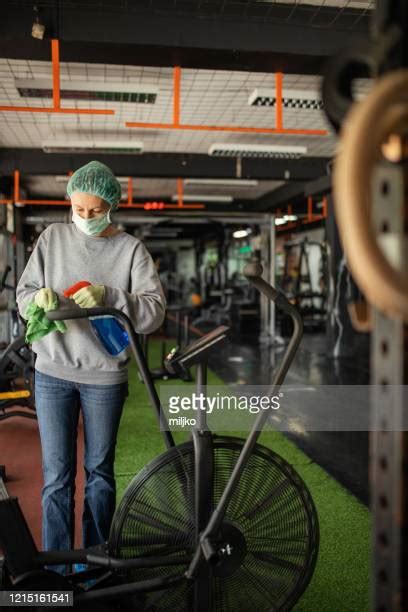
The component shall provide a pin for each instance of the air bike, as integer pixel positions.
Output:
(217, 523)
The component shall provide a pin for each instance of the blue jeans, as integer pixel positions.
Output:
(58, 404)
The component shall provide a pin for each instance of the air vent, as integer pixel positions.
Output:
(246, 150)
(83, 90)
(85, 146)
(291, 99)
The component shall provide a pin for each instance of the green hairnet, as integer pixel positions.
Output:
(97, 179)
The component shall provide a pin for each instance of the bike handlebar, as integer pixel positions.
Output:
(253, 271)
(85, 313)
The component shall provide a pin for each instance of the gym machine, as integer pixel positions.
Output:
(297, 281)
(216, 296)
(373, 162)
(16, 371)
(16, 377)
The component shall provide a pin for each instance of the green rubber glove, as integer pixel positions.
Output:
(46, 299)
(89, 297)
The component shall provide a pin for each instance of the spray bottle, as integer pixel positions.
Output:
(107, 329)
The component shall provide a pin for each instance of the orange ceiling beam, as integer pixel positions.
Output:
(224, 128)
(325, 206)
(55, 74)
(309, 208)
(16, 185)
(66, 203)
(176, 125)
(279, 103)
(180, 202)
(176, 96)
(130, 191)
(311, 217)
(130, 204)
(56, 94)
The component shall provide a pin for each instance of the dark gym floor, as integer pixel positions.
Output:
(343, 454)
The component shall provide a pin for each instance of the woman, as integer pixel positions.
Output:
(72, 369)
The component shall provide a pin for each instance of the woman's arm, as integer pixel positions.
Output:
(145, 304)
(32, 279)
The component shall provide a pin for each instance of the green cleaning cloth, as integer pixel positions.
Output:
(38, 324)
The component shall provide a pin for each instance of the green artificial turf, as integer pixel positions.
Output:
(341, 579)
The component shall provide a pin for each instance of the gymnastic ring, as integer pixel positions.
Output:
(365, 129)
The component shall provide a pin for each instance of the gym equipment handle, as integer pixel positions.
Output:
(253, 272)
(85, 313)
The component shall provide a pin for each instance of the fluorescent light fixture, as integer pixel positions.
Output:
(285, 219)
(86, 90)
(291, 98)
(222, 182)
(64, 178)
(203, 198)
(84, 146)
(242, 233)
(247, 150)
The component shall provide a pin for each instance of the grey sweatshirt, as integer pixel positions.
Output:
(63, 256)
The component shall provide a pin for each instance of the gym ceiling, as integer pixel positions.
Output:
(169, 70)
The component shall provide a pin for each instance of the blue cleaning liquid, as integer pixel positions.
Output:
(111, 334)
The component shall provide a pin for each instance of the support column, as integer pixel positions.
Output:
(268, 246)
(388, 440)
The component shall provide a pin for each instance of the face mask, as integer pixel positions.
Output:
(94, 226)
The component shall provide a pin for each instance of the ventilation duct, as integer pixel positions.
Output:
(307, 100)
(84, 90)
(244, 150)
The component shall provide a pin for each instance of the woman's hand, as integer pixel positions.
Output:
(47, 299)
(89, 297)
